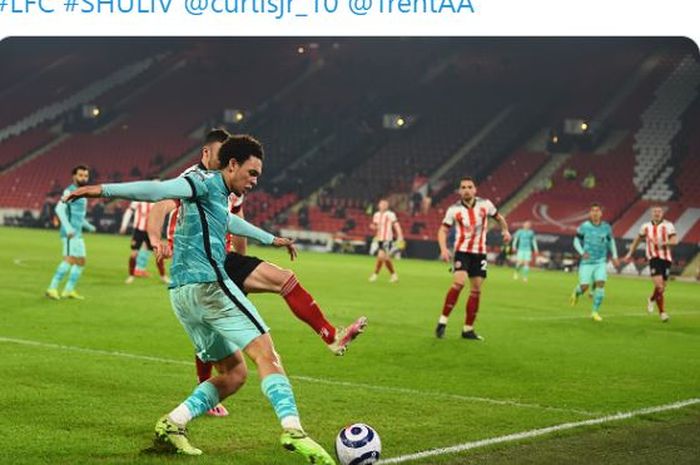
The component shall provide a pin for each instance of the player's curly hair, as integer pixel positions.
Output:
(240, 148)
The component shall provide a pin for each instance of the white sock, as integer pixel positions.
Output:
(442, 320)
(468, 328)
(181, 415)
(291, 422)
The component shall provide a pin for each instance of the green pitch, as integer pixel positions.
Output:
(85, 381)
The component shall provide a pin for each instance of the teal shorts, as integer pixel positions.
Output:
(590, 273)
(524, 256)
(218, 318)
(73, 247)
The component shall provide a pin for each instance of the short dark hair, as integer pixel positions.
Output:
(467, 178)
(240, 147)
(217, 135)
(596, 204)
(80, 168)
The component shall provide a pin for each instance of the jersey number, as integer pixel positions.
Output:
(483, 265)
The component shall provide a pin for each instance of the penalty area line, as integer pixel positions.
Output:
(539, 432)
(398, 390)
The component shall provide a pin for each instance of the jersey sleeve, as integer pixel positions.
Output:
(449, 219)
(61, 209)
(670, 229)
(516, 239)
(190, 186)
(375, 218)
(491, 209)
(393, 218)
(643, 230)
(611, 243)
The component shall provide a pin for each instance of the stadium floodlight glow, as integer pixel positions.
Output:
(301, 50)
(584, 126)
(239, 116)
(96, 112)
(400, 121)
(555, 139)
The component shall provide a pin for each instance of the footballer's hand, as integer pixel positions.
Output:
(70, 235)
(162, 250)
(85, 191)
(627, 258)
(506, 236)
(288, 243)
(445, 255)
(616, 262)
(586, 256)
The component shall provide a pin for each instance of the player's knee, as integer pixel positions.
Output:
(660, 288)
(457, 286)
(285, 282)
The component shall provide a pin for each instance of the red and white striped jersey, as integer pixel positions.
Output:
(471, 224)
(235, 203)
(657, 237)
(140, 211)
(384, 222)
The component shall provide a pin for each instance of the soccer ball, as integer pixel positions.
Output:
(358, 444)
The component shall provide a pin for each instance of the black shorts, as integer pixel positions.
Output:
(473, 263)
(238, 267)
(386, 246)
(658, 266)
(138, 238)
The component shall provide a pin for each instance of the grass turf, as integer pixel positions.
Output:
(85, 381)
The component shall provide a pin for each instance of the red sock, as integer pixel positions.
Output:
(378, 266)
(305, 308)
(390, 266)
(203, 369)
(132, 265)
(472, 307)
(161, 267)
(451, 299)
(660, 300)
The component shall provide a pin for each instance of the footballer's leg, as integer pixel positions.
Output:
(61, 270)
(171, 429)
(278, 390)
(584, 280)
(76, 271)
(459, 278)
(468, 332)
(132, 266)
(659, 290)
(267, 277)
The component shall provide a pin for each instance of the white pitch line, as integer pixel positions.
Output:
(433, 394)
(20, 262)
(539, 432)
(605, 316)
(412, 392)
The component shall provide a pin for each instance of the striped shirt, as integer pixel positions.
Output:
(658, 237)
(140, 211)
(384, 221)
(471, 224)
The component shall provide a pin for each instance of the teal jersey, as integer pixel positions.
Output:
(202, 223)
(72, 215)
(524, 240)
(596, 241)
(199, 247)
